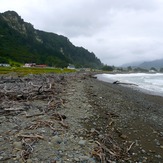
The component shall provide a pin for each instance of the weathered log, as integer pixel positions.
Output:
(32, 136)
(118, 82)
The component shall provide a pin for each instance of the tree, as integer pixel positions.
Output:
(107, 68)
(161, 69)
(153, 69)
(129, 68)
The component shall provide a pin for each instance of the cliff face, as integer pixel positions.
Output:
(14, 21)
(21, 42)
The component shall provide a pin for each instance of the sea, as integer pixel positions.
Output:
(151, 83)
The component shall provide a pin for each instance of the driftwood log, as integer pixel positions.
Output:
(118, 82)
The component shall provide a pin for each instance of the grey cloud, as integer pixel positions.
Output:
(117, 31)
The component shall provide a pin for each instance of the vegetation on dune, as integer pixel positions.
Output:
(22, 71)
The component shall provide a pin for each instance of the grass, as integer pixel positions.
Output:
(22, 71)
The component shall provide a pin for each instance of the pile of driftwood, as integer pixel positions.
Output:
(30, 103)
(35, 87)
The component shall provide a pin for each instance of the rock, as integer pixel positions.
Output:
(84, 158)
(72, 137)
(158, 156)
(94, 123)
(29, 161)
(100, 136)
(91, 160)
(43, 130)
(17, 145)
(143, 151)
(92, 130)
(158, 144)
(82, 142)
(76, 159)
(62, 146)
(2, 119)
(70, 155)
(123, 136)
(56, 139)
(161, 134)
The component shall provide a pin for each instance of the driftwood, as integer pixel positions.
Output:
(34, 115)
(2, 81)
(27, 143)
(33, 100)
(118, 82)
(36, 136)
(35, 87)
(129, 148)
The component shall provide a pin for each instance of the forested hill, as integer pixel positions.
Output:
(20, 42)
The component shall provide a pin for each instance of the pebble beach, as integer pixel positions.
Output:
(77, 118)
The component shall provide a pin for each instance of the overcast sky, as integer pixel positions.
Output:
(117, 31)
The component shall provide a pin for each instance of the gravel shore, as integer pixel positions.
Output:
(132, 118)
(80, 119)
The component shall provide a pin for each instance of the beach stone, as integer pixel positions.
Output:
(2, 119)
(72, 137)
(100, 136)
(158, 143)
(82, 142)
(86, 121)
(62, 146)
(92, 130)
(21, 160)
(56, 139)
(76, 159)
(94, 123)
(91, 160)
(29, 161)
(70, 155)
(17, 145)
(84, 158)
(161, 133)
(123, 136)
(43, 130)
(158, 156)
(81, 138)
(143, 151)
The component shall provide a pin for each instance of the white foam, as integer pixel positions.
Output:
(150, 82)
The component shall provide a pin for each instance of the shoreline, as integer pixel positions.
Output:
(138, 118)
(130, 85)
(77, 118)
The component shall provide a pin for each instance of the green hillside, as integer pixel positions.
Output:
(20, 42)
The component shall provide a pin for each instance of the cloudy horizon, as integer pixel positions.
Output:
(117, 31)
